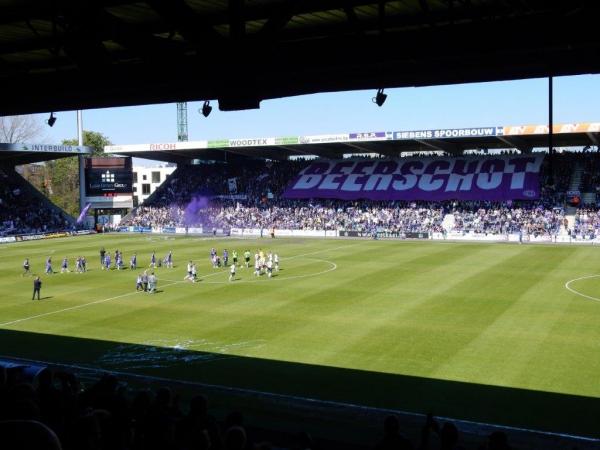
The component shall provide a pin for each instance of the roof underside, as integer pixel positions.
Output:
(73, 54)
(388, 148)
(19, 158)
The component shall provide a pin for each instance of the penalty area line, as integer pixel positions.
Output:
(71, 308)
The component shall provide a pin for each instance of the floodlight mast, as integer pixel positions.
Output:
(81, 161)
(182, 124)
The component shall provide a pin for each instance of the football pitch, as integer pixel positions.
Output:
(495, 333)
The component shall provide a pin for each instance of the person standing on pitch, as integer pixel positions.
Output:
(26, 267)
(138, 283)
(152, 283)
(102, 253)
(49, 266)
(145, 280)
(232, 273)
(225, 258)
(37, 286)
(64, 267)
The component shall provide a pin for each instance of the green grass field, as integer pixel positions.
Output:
(486, 332)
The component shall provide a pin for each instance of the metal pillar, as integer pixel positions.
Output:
(182, 124)
(81, 162)
(550, 129)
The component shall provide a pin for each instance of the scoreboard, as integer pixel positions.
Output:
(109, 182)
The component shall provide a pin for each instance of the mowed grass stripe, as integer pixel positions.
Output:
(344, 308)
(427, 331)
(517, 334)
(386, 328)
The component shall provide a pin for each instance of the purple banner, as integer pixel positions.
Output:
(497, 178)
(368, 136)
(84, 211)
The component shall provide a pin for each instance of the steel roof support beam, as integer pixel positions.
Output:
(439, 145)
(516, 142)
(193, 27)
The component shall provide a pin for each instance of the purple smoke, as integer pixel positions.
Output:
(191, 213)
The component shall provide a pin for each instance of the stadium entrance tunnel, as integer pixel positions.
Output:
(263, 387)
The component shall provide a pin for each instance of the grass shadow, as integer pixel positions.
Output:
(515, 407)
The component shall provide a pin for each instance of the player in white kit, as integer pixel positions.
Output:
(232, 273)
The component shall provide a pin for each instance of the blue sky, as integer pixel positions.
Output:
(576, 99)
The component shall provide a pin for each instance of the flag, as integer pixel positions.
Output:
(83, 213)
(232, 183)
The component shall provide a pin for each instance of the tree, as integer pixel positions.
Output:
(63, 173)
(62, 177)
(92, 139)
(20, 129)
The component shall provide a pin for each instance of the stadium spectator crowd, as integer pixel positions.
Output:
(202, 196)
(21, 212)
(54, 411)
(363, 216)
(587, 222)
(249, 195)
(504, 218)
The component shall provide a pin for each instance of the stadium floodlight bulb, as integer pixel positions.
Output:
(51, 120)
(379, 99)
(206, 108)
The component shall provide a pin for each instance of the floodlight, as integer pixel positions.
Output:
(379, 99)
(51, 120)
(206, 108)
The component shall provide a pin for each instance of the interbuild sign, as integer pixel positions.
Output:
(496, 178)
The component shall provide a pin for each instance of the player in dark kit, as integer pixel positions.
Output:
(49, 265)
(225, 257)
(102, 253)
(37, 286)
(64, 267)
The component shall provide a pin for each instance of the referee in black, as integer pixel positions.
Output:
(37, 286)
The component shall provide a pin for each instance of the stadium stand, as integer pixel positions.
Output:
(25, 210)
(55, 411)
(201, 196)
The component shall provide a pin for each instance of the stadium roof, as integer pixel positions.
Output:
(73, 54)
(389, 143)
(17, 154)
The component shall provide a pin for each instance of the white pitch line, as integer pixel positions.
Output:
(203, 276)
(286, 259)
(321, 251)
(78, 306)
(310, 400)
(263, 280)
(589, 297)
(50, 313)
